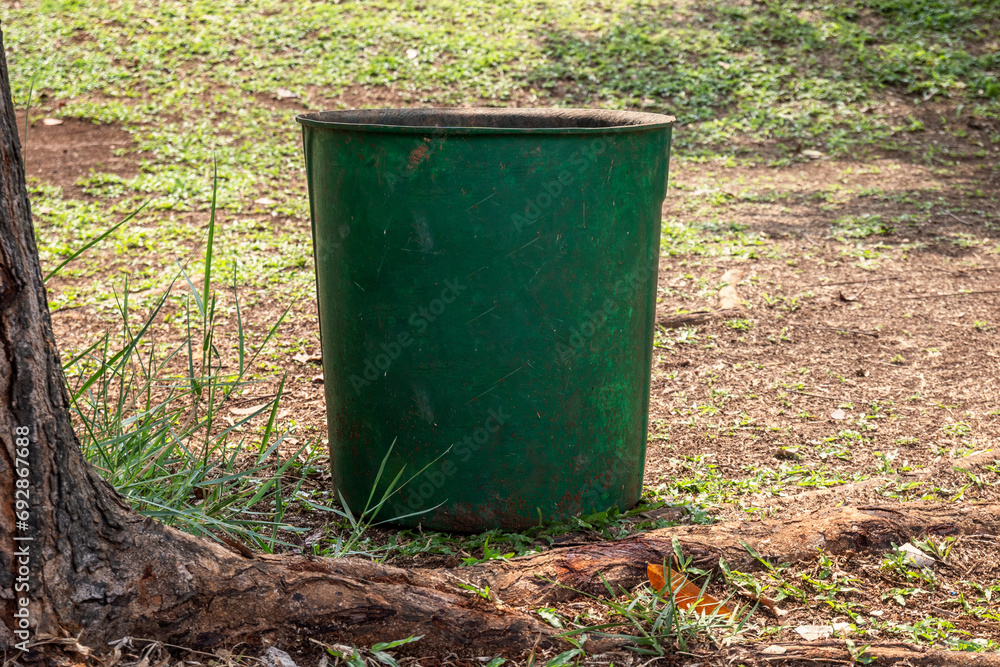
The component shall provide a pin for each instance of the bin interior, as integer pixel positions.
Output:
(512, 119)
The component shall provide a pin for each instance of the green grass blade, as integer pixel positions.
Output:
(207, 287)
(126, 351)
(240, 335)
(90, 244)
(197, 295)
(272, 418)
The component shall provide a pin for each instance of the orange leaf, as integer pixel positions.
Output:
(686, 594)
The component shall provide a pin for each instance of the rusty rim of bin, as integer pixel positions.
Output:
(487, 121)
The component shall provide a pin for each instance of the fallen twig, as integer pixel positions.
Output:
(767, 603)
(964, 222)
(803, 393)
(838, 329)
(860, 292)
(699, 317)
(857, 282)
(941, 296)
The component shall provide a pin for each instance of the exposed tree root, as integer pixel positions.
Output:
(201, 595)
(544, 577)
(188, 592)
(835, 652)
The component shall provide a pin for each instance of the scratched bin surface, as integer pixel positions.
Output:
(486, 282)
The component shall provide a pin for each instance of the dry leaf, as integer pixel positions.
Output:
(304, 358)
(813, 632)
(77, 647)
(67, 643)
(729, 298)
(242, 412)
(774, 650)
(917, 557)
(124, 642)
(686, 594)
(275, 657)
(52, 121)
(838, 414)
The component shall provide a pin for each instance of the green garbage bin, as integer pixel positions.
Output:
(486, 282)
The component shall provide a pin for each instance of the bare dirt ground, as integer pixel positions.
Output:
(899, 347)
(860, 341)
(62, 154)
